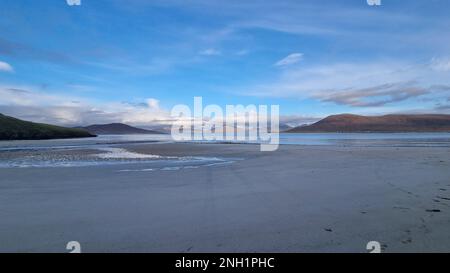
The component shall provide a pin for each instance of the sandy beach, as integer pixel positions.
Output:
(297, 199)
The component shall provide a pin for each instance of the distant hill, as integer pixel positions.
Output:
(387, 123)
(16, 129)
(116, 129)
(284, 127)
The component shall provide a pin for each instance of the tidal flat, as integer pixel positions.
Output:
(187, 197)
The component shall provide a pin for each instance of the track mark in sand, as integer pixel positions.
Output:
(424, 226)
(210, 222)
(402, 208)
(443, 198)
(433, 210)
(403, 190)
(408, 239)
(443, 189)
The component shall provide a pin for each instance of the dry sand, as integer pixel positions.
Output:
(298, 199)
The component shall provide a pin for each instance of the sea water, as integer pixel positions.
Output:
(104, 150)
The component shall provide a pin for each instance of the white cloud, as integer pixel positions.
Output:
(373, 84)
(73, 2)
(440, 64)
(290, 59)
(5, 67)
(153, 103)
(210, 52)
(24, 102)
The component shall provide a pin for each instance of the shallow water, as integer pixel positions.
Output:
(103, 156)
(346, 139)
(100, 141)
(94, 152)
(369, 139)
(103, 150)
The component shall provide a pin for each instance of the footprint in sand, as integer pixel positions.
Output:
(408, 239)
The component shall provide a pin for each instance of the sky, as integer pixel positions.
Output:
(132, 61)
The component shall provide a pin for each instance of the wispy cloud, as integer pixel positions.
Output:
(73, 2)
(290, 59)
(28, 52)
(6, 67)
(242, 52)
(210, 52)
(374, 96)
(442, 107)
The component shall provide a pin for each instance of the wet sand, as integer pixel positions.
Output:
(297, 199)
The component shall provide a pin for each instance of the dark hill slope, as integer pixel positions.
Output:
(16, 129)
(116, 129)
(388, 123)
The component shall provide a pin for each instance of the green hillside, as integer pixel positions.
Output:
(16, 129)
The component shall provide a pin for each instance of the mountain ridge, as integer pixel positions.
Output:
(116, 129)
(16, 129)
(386, 123)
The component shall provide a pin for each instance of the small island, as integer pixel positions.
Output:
(16, 129)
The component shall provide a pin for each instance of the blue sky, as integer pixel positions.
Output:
(132, 61)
